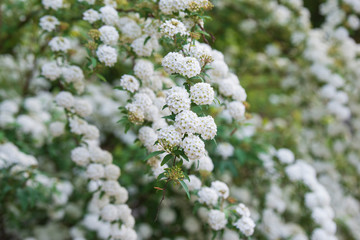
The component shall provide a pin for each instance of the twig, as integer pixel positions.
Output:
(233, 131)
(126, 10)
(162, 199)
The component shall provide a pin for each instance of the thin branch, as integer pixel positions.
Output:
(233, 131)
(162, 199)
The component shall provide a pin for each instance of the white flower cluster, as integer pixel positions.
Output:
(91, 16)
(172, 6)
(54, 4)
(178, 100)
(10, 155)
(71, 74)
(107, 55)
(166, 116)
(129, 83)
(172, 27)
(109, 35)
(201, 51)
(176, 63)
(318, 200)
(48, 23)
(60, 44)
(66, 100)
(202, 94)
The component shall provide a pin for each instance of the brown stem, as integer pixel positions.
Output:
(162, 199)
(233, 131)
(212, 36)
(126, 10)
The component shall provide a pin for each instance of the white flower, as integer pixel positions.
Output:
(172, 27)
(57, 128)
(95, 171)
(98, 155)
(354, 22)
(194, 183)
(187, 122)
(91, 15)
(65, 99)
(124, 211)
(112, 172)
(200, 51)
(109, 213)
(205, 164)
(170, 6)
(109, 35)
(217, 219)
(207, 127)
(242, 210)
(48, 23)
(51, 70)
(112, 188)
(236, 110)
(72, 74)
(148, 137)
(171, 62)
(77, 125)
(321, 234)
(178, 100)
(230, 235)
(112, 3)
(109, 15)
(225, 150)
(143, 100)
(107, 55)
(144, 69)
(189, 67)
(124, 233)
(82, 107)
(169, 137)
(285, 155)
(246, 225)
(221, 189)
(191, 225)
(80, 156)
(59, 44)
(202, 93)
(129, 83)
(91, 132)
(54, 4)
(208, 196)
(135, 112)
(219, 69)
(143, 49)
(130, 30)
(167, 215)
(194, 147)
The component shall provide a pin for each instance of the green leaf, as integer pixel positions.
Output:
(101, 77)
(186, 176)
(183, 184)
(214, 235)
(165, 106)
(127, 127)
(171, 117)
(204, 33)
(153, 154)
(184, 155)
(146, 40)
(166, 159)
(161, 175)
(241, 156)
(93, 62)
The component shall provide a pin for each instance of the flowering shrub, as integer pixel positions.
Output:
(120, 120)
